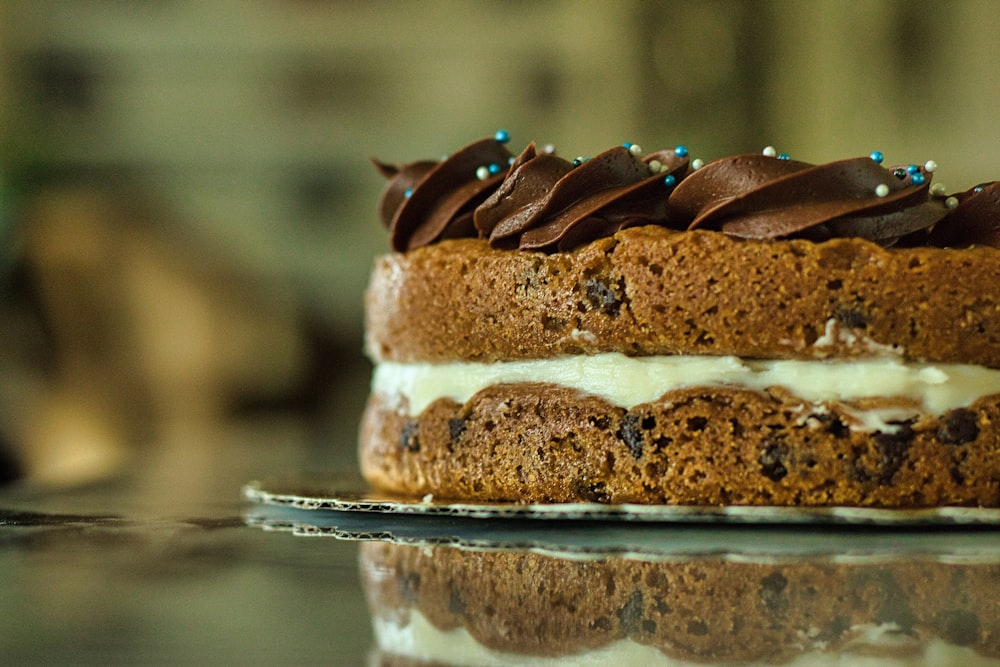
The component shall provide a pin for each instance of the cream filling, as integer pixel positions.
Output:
(628, 381)
(872, 645)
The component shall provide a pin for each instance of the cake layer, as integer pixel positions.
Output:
(628, 381)
(537, 442)
(454, 606)
(653, 291)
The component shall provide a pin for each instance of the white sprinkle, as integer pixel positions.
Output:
(697, 164)
(549, 148)
(483, 173)
(654, 166)
(930, 166)
(951, 202)
(938, 190)
(770, 151)
(881, 190)
(429, 498)
(635, 149)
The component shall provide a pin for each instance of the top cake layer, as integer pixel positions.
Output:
(649, 290)
(753, 256)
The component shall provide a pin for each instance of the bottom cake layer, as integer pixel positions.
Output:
(538, 442)
(449, 606)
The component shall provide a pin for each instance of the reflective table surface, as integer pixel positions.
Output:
(105, 575)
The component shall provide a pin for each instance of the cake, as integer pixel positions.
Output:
(443, 605)
(651, 328)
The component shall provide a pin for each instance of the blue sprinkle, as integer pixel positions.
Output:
(912, 169)
(409, 191)
(681, 151)
(577, 162)
(670, 181)
(502, 136)
(627, 144)
(917, 178)
(783, 156)
(978, 188)
(877, 157)
(494, 168)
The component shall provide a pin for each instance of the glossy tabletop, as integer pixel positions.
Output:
(107, 575)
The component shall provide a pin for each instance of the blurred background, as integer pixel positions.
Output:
(187, 209)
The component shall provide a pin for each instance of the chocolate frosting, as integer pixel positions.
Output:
(425, 202)
(761, 197)
(547, 203)
(974, 220)
(540, 201)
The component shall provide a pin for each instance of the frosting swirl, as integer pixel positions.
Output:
(425, 202)
(762, 197)
(547, 203)
(974, 219)
(540, 201)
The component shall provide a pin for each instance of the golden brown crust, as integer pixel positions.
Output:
(535, 604)
(650, 290)
(703, 446)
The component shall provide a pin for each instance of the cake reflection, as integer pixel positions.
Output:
(449, 605)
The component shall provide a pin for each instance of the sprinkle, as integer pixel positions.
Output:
(917, 178)
(899, 173)
(635, 149)
(655, 166)
(681, 151)
(978, 188)
(697, 164)
(930, 166)
(408, 193)
(577, 161)
(881, 190)
(877, 157)
(769, 151)
(670, 180)
(549, 149)
(502, 136)
(912, 169)
(951, 202)
(627, 145)
(494, 169)
(511, 160)
(483, 173)
(938, 190)
(783, 156)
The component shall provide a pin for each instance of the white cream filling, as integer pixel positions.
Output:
(880, 645)
(628, 381)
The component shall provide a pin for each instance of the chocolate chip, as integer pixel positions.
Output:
(697, 628)
(852, 317)
(603, 297)
(893, 449)
(959, 627)
(960, 426)
(632, 435)
(697, 423)
(630, 615)
(409, 438)
(893, 604)
(456, 427)
(772, 588)
(772, 462)
(591, 492)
